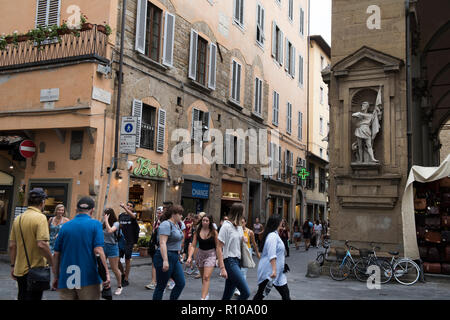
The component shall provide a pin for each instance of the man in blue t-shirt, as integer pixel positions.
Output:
(75, 264)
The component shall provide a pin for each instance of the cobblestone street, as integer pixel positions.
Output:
(301, 287)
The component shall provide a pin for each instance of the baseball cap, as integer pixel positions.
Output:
(38, 193)
(86, 203)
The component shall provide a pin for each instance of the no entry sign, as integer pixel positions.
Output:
(27, 148)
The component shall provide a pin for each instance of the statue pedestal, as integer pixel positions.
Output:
(366, 169)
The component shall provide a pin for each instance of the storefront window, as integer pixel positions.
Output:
(57, 194)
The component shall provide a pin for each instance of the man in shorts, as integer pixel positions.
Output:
(130, 230)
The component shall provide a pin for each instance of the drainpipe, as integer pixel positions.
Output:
(408, 85)
(119, 89)
(305, 207)
(115, 159)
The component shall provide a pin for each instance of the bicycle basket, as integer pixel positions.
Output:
(364, 253)
(340, 253)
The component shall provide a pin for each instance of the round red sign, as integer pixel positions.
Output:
(27, 148)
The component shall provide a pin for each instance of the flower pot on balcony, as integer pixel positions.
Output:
(143, 251)
(62, 32)
(23, 38)
(9, 40)
(87, 26)
(101, 28)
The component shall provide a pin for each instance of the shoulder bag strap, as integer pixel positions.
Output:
(23, 240)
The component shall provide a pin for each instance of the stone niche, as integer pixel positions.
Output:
(359, 78)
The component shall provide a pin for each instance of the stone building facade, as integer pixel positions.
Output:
(392, 55)
(156, 84)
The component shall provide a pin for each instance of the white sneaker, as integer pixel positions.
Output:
(237, 292)
(150, 286)
(118, 291)
(207, 297)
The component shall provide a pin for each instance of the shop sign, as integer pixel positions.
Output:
(200, 190)
(231, 195)
(143, 169)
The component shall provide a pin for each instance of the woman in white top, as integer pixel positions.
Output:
(271, 264)
(230, 240)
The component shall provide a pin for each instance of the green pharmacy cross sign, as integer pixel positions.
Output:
(303, 173)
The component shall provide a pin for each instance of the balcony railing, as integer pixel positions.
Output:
(91, 44)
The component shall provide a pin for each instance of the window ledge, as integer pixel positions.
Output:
(235, 104)
(239, 25)
(257, 116)
(152, 62)
(260, 45)
(200, 86)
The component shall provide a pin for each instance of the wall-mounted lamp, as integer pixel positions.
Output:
(11, 167)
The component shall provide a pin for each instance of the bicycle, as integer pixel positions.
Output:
(405, 270)
(369, 258)
(321, 256)
(341, 268)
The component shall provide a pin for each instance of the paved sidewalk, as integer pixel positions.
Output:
(301, 287)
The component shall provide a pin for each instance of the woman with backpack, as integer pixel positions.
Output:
(111, 229)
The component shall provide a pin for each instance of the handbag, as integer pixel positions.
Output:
(38, 278)
(420, 204)
(101, 268)
(246, 257)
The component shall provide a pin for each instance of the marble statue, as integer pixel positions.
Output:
(367, 128)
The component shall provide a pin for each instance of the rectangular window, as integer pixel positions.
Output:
(276, 104)
(239, 12)
(148, 129)
(321, 95)
(280, 163)
(201, 60)
(321, 126)
(289, 118)
(302, 22)
(300, 70)
(153, 36)
(258, 96)
(300, 126)
(312, 176)
(199, 63)
(290, 58)
(277, 43)
(48, 12)
(321, 63)
(236, 82)
(322, 181)
(321, 152)
(203, 117)
(260, 16)
(291, 10)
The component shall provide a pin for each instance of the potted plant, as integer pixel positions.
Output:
(143, 244)
(106, 29)
(84, 24)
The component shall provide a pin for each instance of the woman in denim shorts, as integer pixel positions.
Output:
(111, 234)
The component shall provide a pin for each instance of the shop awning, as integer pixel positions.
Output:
(9, 140)
(422, 175)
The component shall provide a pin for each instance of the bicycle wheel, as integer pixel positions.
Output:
(406, 272)
(321, 259)
(360, 269)
(339, 270)
(385, 271)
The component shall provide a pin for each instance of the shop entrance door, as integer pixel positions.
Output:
(5, 216)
